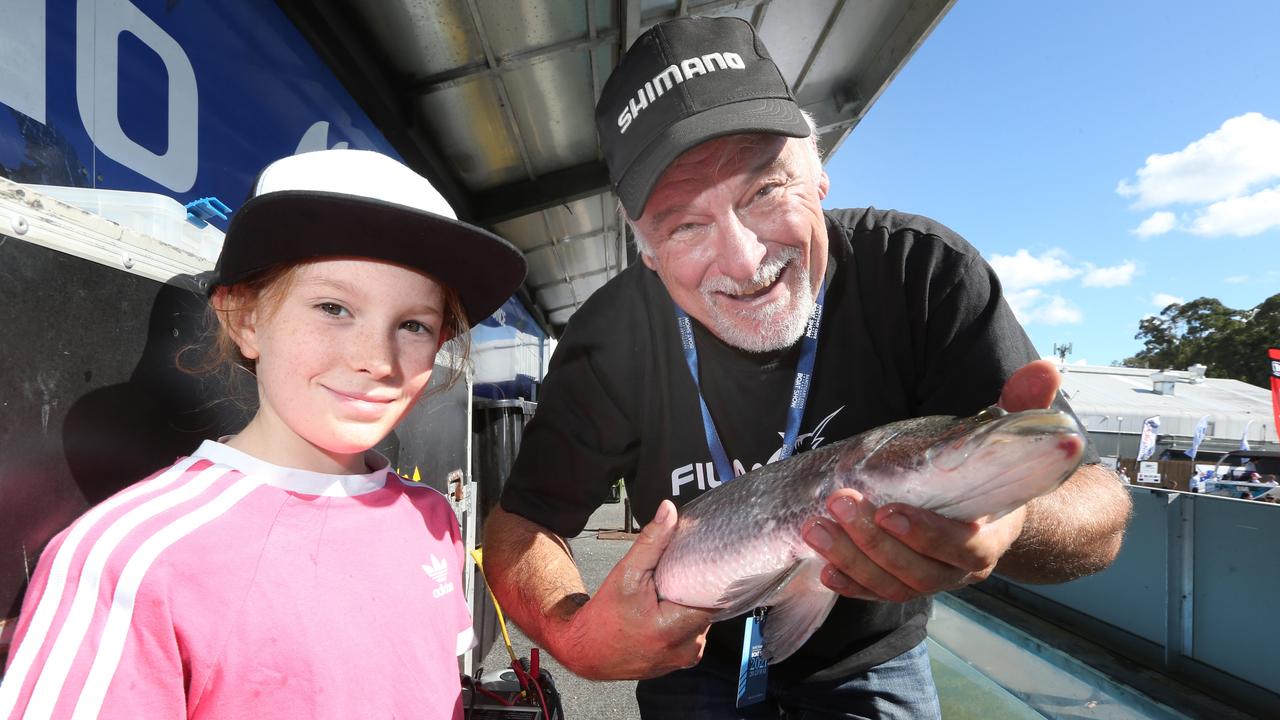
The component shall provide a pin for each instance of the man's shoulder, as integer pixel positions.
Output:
(872, 229)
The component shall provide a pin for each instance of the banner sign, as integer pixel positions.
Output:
(1274, 355)
(1147, 445)
(1201, 428)
(185, 99)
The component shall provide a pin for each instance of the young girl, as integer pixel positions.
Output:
(285, 571)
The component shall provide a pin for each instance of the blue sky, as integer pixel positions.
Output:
(1106, 157)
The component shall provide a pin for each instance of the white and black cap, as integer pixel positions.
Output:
(682, 83)
(358, 203)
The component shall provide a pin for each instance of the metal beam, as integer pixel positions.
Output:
(817, 47)
(900, 43)
(594, 38)
(629, 21)
(757, 15)
(1180, 579)
(500, 85)
(454, 77)
(523, 197)
(603, 232)
(569, 280)
(559, 256)
(596, 71)
(699, 8)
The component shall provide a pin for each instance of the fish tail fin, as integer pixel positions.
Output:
(796, 612)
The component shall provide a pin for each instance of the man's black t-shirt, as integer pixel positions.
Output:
(913, 325)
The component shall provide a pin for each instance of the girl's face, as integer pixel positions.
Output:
(341, 359)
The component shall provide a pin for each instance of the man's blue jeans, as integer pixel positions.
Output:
(898, 689)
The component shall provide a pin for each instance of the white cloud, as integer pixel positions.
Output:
(1023, 276)
(1240, 216)
(1114, 276)
(1228, 162)
(1034, 306)
(1058, 312)
(1163, 300)
(1237, 279)
(1023, 270)
(1159, 223)
(1022, 302)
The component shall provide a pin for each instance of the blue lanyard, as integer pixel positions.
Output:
(799, 390)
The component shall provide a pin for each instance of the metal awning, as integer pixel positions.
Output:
(493, 100)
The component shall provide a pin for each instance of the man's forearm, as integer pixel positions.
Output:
(1072, 532)
(533, 575)
(623, 632)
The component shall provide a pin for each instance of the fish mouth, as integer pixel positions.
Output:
(999, 427)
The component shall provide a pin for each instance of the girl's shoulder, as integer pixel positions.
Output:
(137, 527)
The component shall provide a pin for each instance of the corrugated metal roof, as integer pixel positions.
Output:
(493, 99)
(1100, 395)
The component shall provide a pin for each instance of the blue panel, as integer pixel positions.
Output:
(511, 316)
(206, 94)
(188, 100)
(508, 351)
(1131, 593)
(1237, 584)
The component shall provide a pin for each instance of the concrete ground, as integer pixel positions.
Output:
(597, 550)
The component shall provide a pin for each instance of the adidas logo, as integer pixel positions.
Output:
(437, 569)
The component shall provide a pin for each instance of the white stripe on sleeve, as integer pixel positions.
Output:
(120, 619)
(51, 598)
(466, 640)
(71, 635)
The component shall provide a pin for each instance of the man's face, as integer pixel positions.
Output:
(734, 229)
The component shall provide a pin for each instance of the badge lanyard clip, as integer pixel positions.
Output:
(753, 673)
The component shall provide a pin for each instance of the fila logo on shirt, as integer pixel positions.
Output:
(702, 476)
(437, 571)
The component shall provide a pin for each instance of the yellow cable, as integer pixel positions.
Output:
(478, 554)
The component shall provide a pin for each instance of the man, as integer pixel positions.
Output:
(719, 173)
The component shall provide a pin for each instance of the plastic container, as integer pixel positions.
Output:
(151, 214)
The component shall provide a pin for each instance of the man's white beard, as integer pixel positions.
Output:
(772, 327)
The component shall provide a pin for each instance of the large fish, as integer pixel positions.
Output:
(738, 546)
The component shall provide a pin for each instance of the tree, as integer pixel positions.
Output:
(1231, 343)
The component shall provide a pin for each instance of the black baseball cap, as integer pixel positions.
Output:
(358, 203)
(684, 82)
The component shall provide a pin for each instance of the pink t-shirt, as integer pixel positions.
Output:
(226, 587)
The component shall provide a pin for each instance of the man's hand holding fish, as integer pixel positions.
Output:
(896, 552)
